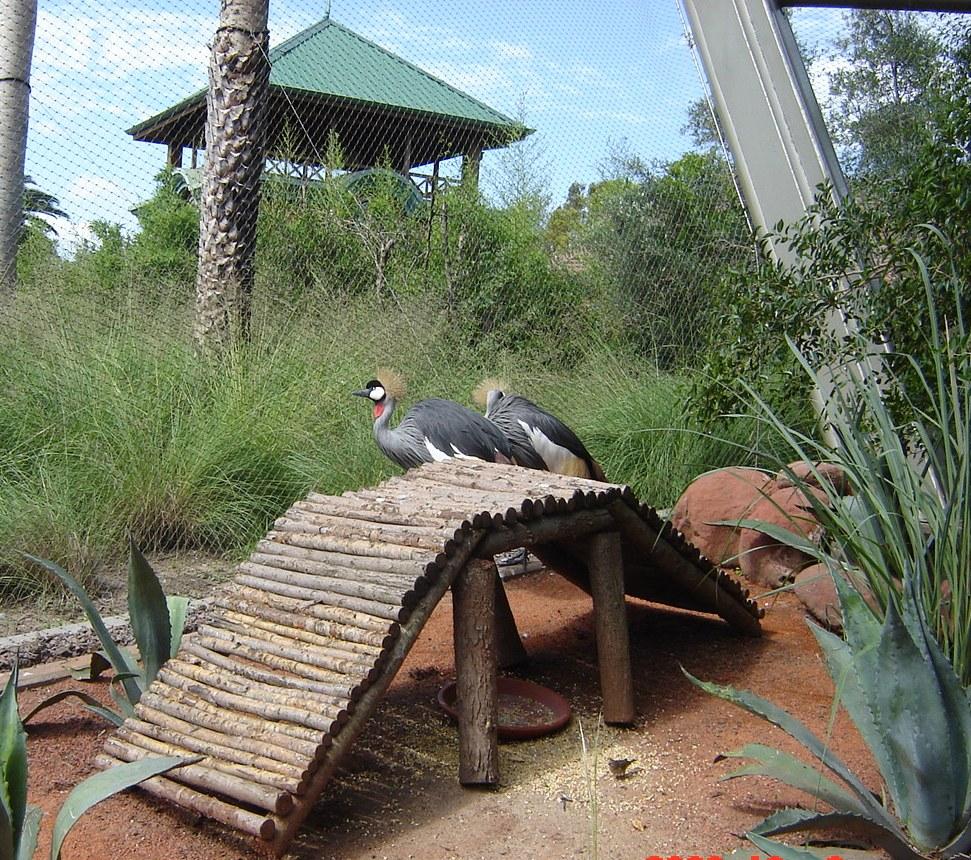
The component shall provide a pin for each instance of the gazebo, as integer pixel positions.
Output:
(328, 83)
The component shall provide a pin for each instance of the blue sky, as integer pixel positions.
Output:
(587, 74)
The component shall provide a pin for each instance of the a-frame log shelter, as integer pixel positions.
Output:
(304, 642)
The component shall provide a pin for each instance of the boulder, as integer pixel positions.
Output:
(804, 472)
(724, 494)
(815, 588)
(762, 559)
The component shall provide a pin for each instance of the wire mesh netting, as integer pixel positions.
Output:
(533, 190)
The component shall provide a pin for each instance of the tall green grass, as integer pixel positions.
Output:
(110, 424)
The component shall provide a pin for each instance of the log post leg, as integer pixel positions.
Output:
(473, 604)
(603, 556)
(509, 644)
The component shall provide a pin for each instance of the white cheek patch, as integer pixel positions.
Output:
(377, 394)
(557, 458)
(437, 455)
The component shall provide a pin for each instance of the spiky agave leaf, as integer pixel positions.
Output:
(786, 768)
(123, 664)
(792, 820)
(149, 614)
(103, 785)
(13, 767)
(27, 845)
(796, 729)
(178, 610)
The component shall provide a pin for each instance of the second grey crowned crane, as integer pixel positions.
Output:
(433, 429)
(538, 439)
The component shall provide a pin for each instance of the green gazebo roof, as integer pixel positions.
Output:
(327, 78)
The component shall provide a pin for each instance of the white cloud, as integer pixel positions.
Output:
(511, 51)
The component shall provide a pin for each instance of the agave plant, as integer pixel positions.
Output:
(20, 821)
(157, 623)
(912, 712)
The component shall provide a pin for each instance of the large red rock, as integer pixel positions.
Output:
(803, 471)
(764, 560)
(815, 588)
(724, 494)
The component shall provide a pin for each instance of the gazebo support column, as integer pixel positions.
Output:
(474, 631)
(603, 557)
(174, 157)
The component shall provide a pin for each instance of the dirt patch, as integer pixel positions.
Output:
(193, 575)
(398, 797)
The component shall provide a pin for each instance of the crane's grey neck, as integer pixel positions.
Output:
(492, 400)
(399, 444)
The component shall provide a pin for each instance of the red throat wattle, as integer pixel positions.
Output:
(378, 410)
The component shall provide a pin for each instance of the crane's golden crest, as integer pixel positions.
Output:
(480, 393)
(392, 382)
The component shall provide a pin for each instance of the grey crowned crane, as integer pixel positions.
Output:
(433, 429)
(538, 439)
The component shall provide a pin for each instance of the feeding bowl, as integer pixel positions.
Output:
(526, 710)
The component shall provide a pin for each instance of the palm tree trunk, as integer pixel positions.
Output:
(239, 75)
(16, 48)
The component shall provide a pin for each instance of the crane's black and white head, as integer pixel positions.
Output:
(383, 391)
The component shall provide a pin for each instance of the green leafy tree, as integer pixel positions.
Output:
(166, 247)
(663, 237)
(882, 90)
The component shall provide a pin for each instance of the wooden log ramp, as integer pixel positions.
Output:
(305, 640)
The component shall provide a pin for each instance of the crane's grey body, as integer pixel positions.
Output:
(538, 439)
(434, 429)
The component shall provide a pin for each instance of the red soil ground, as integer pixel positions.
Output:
(398, 796)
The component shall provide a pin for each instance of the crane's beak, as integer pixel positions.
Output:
(364, 392)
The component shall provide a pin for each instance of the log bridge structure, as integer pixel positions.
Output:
(307, 637)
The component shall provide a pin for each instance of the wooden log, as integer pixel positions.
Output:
(357, 604)
(369, 564)
(703, 583)
(357, 547)
(208, 779)
(473, 602)
(187, 706)
(247, 705)
(325, 515)
(285, 760)
(509, 644)
(296, 700)
(254, 673)
(483, 487)
(364, 654)
(333, 683)
(380, 639)
(348, 586)
(400, 541)
(544, 530)
(149, 741)
(606, 568)
(350, 505)
(251, 823)
(313, 609)
(258, 639)
(320, 563)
